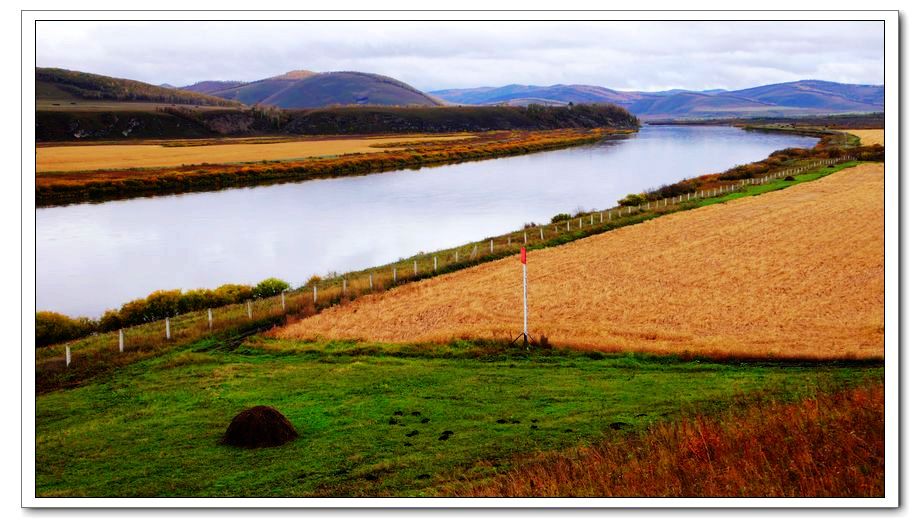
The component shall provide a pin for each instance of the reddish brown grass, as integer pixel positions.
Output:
(828, 446)
(791, 274)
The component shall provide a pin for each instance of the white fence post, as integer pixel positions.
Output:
(436, 263)
(344, 285)
(491, 246)
(282, 301)
(415, 267)
(525, 238)
(121, 340)
(210, 320)
(394, 274)
(168, 335)
(541, 233)
(314, 295)
(568, 226)
(249, 306)
(370, 280)
(67, 355)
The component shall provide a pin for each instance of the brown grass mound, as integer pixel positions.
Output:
(829, 446)
(259, 426)
(797, 273)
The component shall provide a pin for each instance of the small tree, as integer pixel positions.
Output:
(269, 287)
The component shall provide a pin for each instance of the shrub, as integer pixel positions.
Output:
(561, 217)
(110, 320)
(232, 293)
(631, 199)
(52, 327)
(270, 287)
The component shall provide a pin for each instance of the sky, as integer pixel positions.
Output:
(439, 55)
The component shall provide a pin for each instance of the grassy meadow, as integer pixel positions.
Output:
(371, 416)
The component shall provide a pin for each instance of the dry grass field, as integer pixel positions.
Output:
(869, 136)
(832, 445)
(791, 274)
(95, 157)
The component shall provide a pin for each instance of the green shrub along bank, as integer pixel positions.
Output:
(51, 327)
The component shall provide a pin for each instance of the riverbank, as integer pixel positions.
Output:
(230, 324)
(400, 152)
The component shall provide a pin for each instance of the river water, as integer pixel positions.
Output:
(91, 257)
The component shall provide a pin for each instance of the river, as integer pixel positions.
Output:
(91, 257)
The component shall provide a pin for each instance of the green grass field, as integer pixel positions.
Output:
(152, 428)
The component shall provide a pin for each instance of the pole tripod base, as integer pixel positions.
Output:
(525, 339)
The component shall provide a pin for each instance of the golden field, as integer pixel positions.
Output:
(791, 274)
(869, 136)
(95, 157)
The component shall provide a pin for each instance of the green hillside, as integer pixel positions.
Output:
(56, 83)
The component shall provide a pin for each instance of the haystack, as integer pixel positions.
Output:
(259, 426)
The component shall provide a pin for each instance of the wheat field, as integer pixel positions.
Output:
(870, 136)
(94, 157)
(796, 273)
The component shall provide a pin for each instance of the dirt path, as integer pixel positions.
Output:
(793, 273)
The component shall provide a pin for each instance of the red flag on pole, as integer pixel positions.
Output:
(523, 255)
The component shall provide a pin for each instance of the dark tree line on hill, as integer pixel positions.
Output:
(184, 122)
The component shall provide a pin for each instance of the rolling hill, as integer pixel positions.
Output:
(209, 87)
(306, 89)
(67, 85)
(792, 98)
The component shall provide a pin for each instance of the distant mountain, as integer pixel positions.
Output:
(306, 89)
(794, 98)
(60, 84)
(258, 91)
(817, 94)
(209, 87)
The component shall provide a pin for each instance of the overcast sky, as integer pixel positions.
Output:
(436, 55)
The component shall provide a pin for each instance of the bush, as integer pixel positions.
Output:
(561, 217)
(269, 287)
(52, 327)
(631, 200)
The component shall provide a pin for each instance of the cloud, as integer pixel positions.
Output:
(436, 55)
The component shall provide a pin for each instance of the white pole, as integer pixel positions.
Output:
(370, 280)
(457, 254)
(121, 340)
(210, 320)
(525, 238)
(168, 336)
(394, 274)
(436, 263)
(282, 301)
(579, 222)
(344, 285)
(491, 246)
(414, 267)
(249, 306)
(541, 233)
(314, 296)
(67, 355)
(568, 226)
(524, 262)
